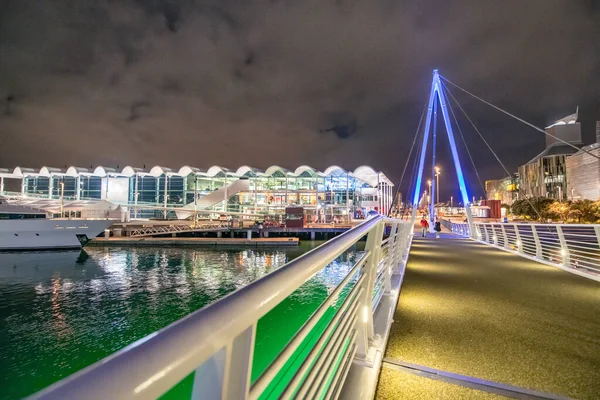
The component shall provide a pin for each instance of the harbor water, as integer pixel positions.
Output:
(62, 311)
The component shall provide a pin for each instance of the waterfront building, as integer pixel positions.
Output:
(159, 192)
(506, 189)
(583, 172)
(546, 174)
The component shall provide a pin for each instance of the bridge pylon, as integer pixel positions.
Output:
(438, 100)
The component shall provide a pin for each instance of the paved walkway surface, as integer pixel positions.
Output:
(469, 309)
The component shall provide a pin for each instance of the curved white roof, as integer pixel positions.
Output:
(76, 171)
(48, 171)
(186, 170)
(305, 168)
(276, 168)
(130, 171)
(157, 171)
(335, 170)
(243, 170)
(22, 171)
(363, 173)
(370, 176)
(215, 170)
(103, 171)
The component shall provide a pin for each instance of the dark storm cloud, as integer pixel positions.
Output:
(281, 82)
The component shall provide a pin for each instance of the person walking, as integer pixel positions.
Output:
(424, 226)
(437, 228)
(260, 229)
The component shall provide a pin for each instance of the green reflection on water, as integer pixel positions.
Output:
(63, 311)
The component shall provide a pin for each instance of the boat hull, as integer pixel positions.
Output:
(47, 234)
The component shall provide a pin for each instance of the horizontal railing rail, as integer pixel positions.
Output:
(217, 342)
(572, 247)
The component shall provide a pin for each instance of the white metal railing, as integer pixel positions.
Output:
(178, 228)
(460, 228)
(217, 342)
(573, 247)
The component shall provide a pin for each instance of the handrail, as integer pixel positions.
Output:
(572, 247)
(221, 335)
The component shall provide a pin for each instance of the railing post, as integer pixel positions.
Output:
(365, 321)
(597, 230)
(504, 236)
(518, 236)
(226, 375)
(407, 232)
(564, 249)
(538, 245)
(494, 235)
(487, 235)
(392, 253)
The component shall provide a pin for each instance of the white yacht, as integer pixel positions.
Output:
(24, 228)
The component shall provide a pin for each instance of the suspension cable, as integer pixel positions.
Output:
(520, 120)
(409, 155)
(415, 165)
(464, 142)
(488, 145)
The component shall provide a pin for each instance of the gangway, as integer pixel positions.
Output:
(162, 229)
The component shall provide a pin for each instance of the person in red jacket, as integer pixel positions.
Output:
(425, 226)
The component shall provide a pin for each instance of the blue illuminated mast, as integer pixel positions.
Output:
(437, 98)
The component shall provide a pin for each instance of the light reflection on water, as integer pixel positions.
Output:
(61, 311)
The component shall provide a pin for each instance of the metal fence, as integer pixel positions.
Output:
(458, 228)
(217, 342)
(573, 247)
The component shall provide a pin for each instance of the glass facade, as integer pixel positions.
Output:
(544, 177)
(336, 195)
(91, 187)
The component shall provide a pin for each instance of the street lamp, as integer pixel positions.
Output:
(437, 183)
(429, 192)
(62, 199)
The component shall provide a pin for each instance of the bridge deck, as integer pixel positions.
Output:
(472, 310)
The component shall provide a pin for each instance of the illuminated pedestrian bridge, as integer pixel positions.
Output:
(487, 310)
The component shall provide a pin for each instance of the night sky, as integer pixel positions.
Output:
(317, 82)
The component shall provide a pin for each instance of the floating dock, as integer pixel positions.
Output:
(193, 241)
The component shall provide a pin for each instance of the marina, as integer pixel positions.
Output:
(266, 200)
(66, 310)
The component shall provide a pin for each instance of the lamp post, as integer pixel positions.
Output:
(559, 194)
(62, 199)
(429, 193)
(195, 200)
(437, 183)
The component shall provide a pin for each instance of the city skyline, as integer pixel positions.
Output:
(207, 82)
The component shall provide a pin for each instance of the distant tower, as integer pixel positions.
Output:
(597, 131)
